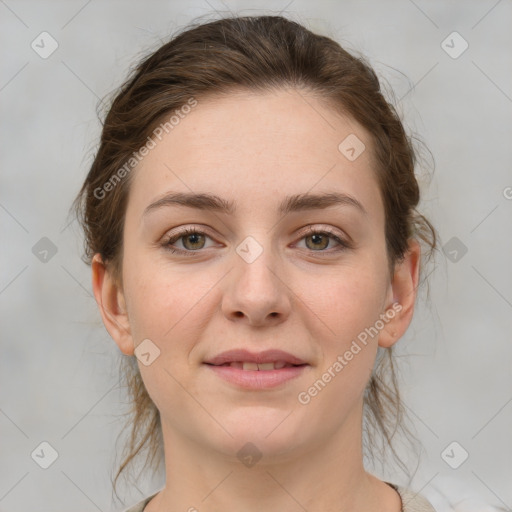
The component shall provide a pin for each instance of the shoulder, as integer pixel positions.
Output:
(412, 501)
(139, 507)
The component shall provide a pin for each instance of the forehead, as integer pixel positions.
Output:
(256, 148)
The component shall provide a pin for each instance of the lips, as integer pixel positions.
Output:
(248, 365)
(267, 360)
(263, 371)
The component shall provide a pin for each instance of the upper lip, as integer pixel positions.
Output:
(242, 355)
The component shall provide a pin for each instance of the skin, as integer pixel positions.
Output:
(256, 148)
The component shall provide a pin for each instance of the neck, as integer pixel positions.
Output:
(324, 476)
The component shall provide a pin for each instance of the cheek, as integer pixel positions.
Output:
(165, 307)
(156, 305)
(346, 301)
(348, 305)
(167, 304)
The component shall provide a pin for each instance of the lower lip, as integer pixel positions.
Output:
(257, 379)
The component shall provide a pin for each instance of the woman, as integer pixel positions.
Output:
(250, 220)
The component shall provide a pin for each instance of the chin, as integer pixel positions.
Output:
(272, 432)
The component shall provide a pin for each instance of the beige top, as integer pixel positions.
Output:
(411, 502)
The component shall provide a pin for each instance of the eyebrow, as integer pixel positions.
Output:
(293, 203)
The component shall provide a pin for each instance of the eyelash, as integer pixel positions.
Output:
(310, 231)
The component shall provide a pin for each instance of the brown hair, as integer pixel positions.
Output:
(255, 53)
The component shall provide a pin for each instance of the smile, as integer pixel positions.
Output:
(245, 365)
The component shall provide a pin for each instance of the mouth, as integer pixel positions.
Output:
(246, 360)
(256, 377)
(256, 371)
(251, 366)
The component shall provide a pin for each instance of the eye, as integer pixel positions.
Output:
(318, 240)
(193, 240)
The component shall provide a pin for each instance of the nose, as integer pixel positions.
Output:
(257, 292)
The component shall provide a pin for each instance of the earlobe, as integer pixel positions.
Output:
(403, 290)
(112, 306)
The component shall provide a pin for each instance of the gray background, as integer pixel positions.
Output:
(59, 366)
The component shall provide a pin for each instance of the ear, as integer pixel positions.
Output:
(401, 296)
(111, 303)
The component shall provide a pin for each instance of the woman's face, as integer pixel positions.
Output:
(255, 278)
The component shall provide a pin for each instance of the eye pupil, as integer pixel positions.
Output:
(315, 237)
(193, 236)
